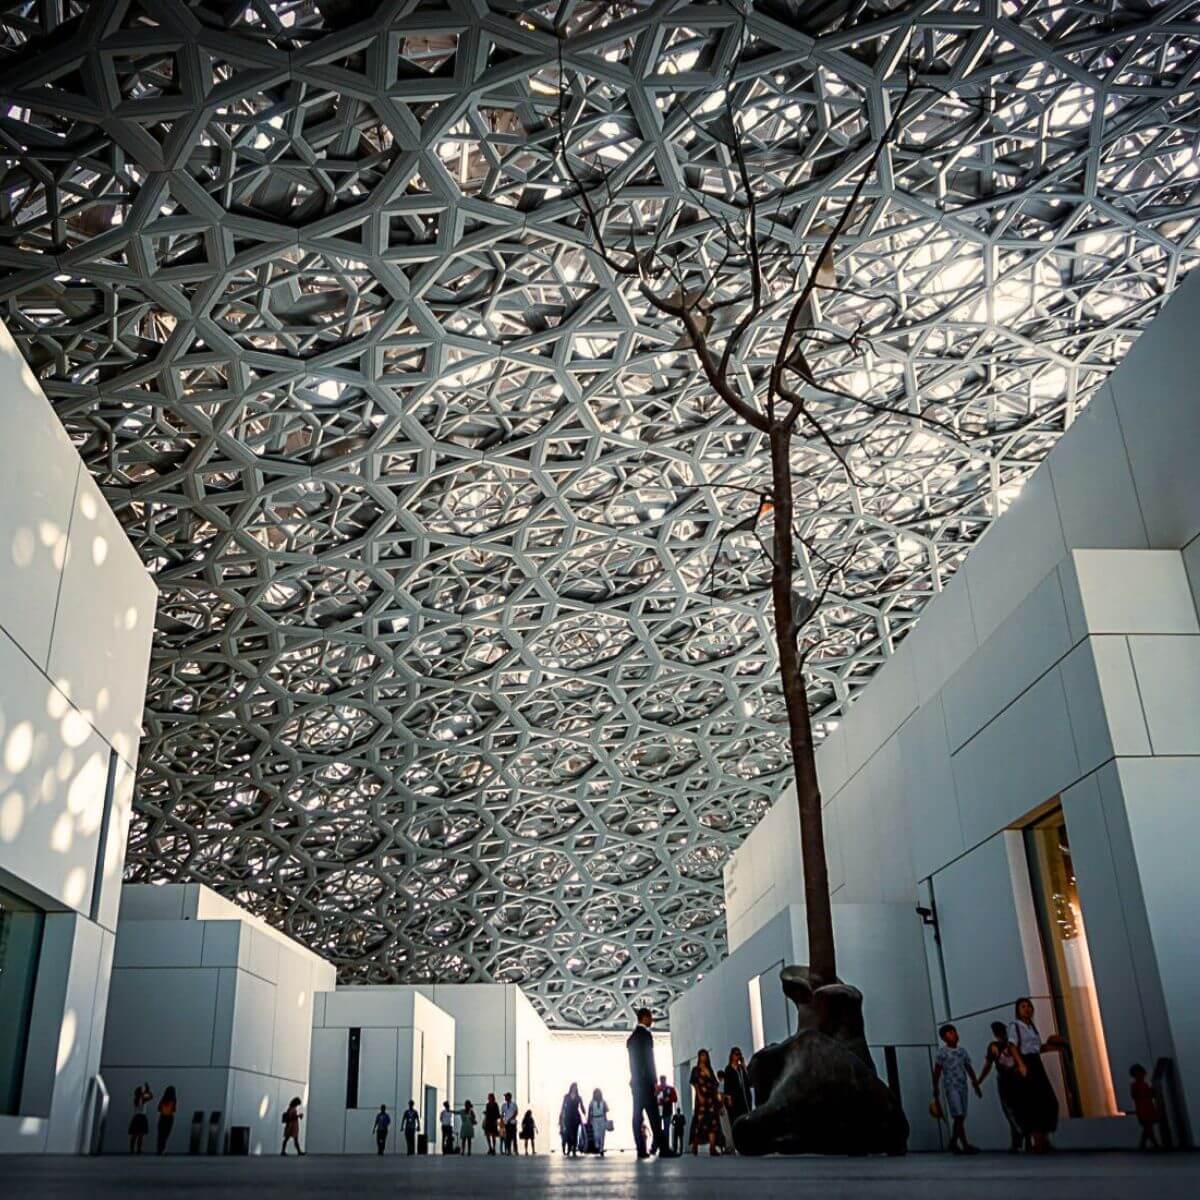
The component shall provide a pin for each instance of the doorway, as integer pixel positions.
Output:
(430, 1121)
(1087, 1078)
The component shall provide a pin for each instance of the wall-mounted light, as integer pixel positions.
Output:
(929, 917)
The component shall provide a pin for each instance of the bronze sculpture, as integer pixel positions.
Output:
(818, 1092)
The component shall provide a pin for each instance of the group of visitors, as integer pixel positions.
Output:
(1027, 1097)
(168, 1106)
(410, 1122)
(499, 1127)
(718, 1099)
(139, 1125)
(1026, 1094)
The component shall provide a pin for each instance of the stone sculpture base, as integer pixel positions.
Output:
(818, 1092)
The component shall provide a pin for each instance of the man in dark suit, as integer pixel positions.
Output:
(642, 1079)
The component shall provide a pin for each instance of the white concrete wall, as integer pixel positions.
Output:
(76, 619)
(211, 1000)
(539, 1068)
(407, 1043)
(502, 1045)
(496, 1042)
(1063, 660)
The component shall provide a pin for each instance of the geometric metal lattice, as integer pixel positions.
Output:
(428, 491)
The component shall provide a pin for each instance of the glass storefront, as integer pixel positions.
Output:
(1086, 1075)
(20, 945)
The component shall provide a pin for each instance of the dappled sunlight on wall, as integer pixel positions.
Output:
(53, 776)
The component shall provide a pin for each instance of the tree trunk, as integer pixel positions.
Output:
(821, 955)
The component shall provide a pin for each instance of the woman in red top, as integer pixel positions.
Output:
(166, 1117)
(291, 1125)
(1145, 1107)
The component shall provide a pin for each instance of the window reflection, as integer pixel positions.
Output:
(20, 945)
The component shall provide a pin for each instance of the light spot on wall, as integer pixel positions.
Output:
(99, 550)
(263, 1105)
(85, 796)
(131, 618)
(23, 547)
(65, 766)
(18, 747)
(75, 887)
(75, 729)
(48, 533)
(88, 506)
(12, 816)
(66, 1039)
(56, 704)
(63, 834)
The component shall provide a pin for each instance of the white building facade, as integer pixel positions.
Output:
(216, 1003)
(76, 619)
(1026, 768)
(388, 1044)
(372, 1046)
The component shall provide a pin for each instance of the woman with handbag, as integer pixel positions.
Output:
(598, 1119)
(1036, 1104)
(706, 1103)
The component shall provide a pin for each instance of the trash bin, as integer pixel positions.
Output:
(422, 1144)
(239, 1139)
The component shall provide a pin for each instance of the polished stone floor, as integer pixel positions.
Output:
(620, 1177)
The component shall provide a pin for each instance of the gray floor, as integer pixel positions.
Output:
(920, 1177)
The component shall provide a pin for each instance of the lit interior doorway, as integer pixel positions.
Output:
(1087, 1079)
(600, 1060)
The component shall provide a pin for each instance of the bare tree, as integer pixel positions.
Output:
(752, 317)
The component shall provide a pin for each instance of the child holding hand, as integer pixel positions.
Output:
(952, 1068)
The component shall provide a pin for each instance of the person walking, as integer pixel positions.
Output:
(167, 1108)
(1037, 1109)
(410, 1122)
(706, 1103)
(1145, 1107)
(1001, 1056)
(667, 1098)
(139, 1123)
(529, 1131)
(491, 1122)
(642, 1077)
(291, 1126)
(737, 1086)
(447, 1120)
(678, 1129)
(508, 1118)
(953, 1067)
(383, 1123)
(598, 1119)
(572, 1116)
